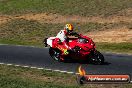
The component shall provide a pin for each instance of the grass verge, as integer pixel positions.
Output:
(115, 47)
(79, 7)
(19, 77)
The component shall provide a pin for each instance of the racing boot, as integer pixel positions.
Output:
(45, 42)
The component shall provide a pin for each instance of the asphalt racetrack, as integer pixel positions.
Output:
(39, 57)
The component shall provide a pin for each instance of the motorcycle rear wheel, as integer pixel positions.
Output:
(55, 54)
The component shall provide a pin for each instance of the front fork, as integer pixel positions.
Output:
(92, 53)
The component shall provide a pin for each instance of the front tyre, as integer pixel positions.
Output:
(97, 58)
(55, 54)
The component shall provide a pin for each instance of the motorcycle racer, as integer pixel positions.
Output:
(62, 37)
(64, 48)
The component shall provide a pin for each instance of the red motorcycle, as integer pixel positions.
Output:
(83, 48)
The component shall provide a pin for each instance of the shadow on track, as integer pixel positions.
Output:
(83, 62)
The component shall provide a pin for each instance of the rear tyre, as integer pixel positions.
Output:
(97, 58)
(55, 54)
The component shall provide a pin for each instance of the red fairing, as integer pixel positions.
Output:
(85, 47)
(58, 44)
(55, 42)
(85, 43)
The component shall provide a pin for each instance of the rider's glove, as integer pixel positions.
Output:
(65, 52)
(75, 34)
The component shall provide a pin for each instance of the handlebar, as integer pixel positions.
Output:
(75, 34)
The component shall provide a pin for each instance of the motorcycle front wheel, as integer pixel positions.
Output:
(97, 58)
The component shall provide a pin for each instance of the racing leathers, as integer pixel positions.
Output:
(61, 37)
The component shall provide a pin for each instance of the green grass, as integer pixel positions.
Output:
(19, 77)
(115, 47)
(65, 7)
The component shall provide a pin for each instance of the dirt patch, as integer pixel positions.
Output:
(4, 19)
(56, 18)
(116, 35)
(112, 36)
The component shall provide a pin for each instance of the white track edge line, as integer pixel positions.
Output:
(9, 64)
(56, 70)
(17, 65)
(25, 66)
(1, 63)
(40, 68)
(33, 67)
(48, 69)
